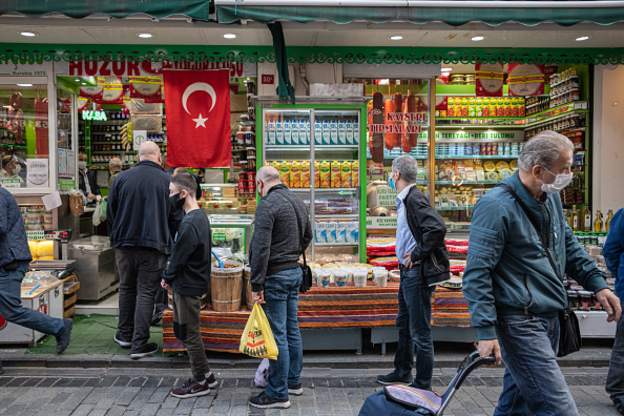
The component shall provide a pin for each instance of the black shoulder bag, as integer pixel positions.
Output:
(570, 332)
(306, 283)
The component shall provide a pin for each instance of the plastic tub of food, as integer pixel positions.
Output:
(380, 276)
(342, 278)
(360, 277)
(323, 278)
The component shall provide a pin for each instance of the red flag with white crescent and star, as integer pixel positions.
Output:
(197, 104)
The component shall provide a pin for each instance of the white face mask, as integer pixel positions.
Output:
(561, 181)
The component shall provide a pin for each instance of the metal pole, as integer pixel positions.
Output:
(432, 141)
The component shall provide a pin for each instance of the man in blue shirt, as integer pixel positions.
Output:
(513, 282)
(613, 252)
(423, 262)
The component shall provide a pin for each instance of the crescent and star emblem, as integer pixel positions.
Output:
(200, 121)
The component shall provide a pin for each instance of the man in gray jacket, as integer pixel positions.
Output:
(520, 249)
(282, 232)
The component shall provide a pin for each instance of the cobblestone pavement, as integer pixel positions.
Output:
(328, 392)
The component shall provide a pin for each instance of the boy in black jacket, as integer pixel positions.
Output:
(188, 272)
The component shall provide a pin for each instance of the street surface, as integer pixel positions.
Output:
(329, 392)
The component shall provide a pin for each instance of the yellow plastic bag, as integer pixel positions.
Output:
(257, 340)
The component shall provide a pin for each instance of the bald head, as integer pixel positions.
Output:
(266, 178)
(150, 151)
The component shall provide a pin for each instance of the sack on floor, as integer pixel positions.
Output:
(261, 379)
(257, 339)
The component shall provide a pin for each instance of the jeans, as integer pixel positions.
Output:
(414, 324)
(281, 294)
(140, 271)
(186, 326)
(615, 377)
(13, 311)
(533, 383)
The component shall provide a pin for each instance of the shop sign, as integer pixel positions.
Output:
(138, 137)
(126, 68)
(381, 222)
(37, 173)
(26, 70)
(93, 115)
(11, 182)
(268, 79)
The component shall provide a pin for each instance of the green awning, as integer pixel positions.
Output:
(195, 9)
(35, 53)
(454, 13)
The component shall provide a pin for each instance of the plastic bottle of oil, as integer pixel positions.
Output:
(598, 222)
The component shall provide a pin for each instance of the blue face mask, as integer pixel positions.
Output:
(391, 183)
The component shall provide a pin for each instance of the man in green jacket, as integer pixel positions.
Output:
(514, 278)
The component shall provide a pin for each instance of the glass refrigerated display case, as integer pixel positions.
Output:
(319, 150)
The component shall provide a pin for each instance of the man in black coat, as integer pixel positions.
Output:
(87, 180)
(423, 262)
(138, 214)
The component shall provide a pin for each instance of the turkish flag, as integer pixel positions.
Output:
(198, 118)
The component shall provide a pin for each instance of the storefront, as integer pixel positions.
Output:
(463, 113)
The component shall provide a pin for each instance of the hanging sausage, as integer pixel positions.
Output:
(377, 114)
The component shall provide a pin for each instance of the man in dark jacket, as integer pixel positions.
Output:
(282, 232)
(138, 213)
(513, 282)
(14, 260)
(613, 252)
(87, 180)
(423, 262)
(188, 272)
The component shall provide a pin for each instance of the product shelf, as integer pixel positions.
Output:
(307, 147)
(336, 244)
(325, 189)
(475, 157)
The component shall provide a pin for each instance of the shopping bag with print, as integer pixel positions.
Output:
(257, 340)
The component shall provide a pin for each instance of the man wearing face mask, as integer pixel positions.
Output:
(519, 251)
(87, 181)
(423, 262)
(138, 212)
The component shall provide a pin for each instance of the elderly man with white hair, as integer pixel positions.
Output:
(138, 213)
(520, 250)
(282, 232)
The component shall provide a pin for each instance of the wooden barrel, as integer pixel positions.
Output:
(226, 286)
(247, 287)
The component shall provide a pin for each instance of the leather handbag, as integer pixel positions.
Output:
(569, 330)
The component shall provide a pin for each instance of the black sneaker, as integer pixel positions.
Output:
(121, 343)
(393, 378)
(144, 351)
(211, 380)
(63, 338)
(619, 405)
(191, 388)
(295, 390)
(262, 401)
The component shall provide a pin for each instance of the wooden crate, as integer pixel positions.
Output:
(71, 286)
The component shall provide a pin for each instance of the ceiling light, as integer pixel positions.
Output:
(24, 85)
(396, 37)
(230, 36)
(582, 38)
(145, 35)
(446, 69)
(477, 38)
(28, 34)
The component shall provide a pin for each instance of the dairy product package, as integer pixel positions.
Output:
(320, 233)
(342, 132)
(335, 174)
(342, 229)
(279, 134)
(270, 132)
(331, 232)
(353, 232)
(318, 133)
(333, 125)
(294, 128)
(287, 133)
(304, 132)
(350, 132)
(326, 132)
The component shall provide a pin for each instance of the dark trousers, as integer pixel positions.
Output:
(414, 324)
(186, 325)
(615, 377)
(533, 383)
(140, 271)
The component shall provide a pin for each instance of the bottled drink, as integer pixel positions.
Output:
(587, 224)
(598, 222)
(575, 219)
